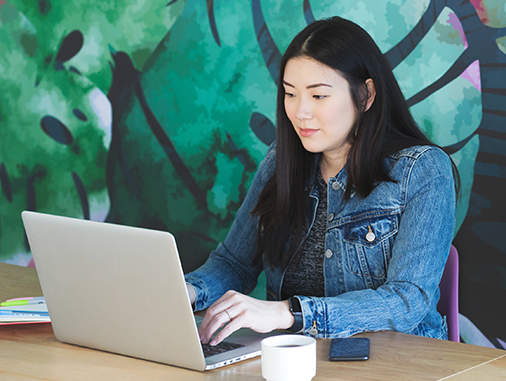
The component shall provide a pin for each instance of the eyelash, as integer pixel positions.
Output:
(317, 97)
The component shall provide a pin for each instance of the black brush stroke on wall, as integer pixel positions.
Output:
(5, 183)
(121, 86)
(69, 47)
(56, 130)
(268, 47)
(236, 151)
(308, 12)
(169, 148)
(212, 21)
(82, 194)
(80, 115)
(31, 196)
(126, 79)
(263, 128)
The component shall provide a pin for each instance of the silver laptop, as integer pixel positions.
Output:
(121, 289)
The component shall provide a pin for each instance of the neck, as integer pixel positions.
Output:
(330, 166)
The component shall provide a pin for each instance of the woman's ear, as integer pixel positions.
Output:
(371, 94)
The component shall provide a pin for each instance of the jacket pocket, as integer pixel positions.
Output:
(368, 243)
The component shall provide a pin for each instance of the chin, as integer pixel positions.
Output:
(311, 148)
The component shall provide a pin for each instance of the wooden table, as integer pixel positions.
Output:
(31, 352)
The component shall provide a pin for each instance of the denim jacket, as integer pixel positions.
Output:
(384, 255)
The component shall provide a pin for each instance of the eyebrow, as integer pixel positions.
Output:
(309, 86)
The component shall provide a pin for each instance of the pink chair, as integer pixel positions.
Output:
(449, 301)
(31, 264)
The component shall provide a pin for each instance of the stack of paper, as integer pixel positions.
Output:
(18, 312)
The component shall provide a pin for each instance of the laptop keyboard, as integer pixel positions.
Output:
(224, 346)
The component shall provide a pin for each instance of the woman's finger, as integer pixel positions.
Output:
(214, 323)
(227, 311)
(234, 325)
(222, 304)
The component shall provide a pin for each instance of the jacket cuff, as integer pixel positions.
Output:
(313, 317)
(200, 290)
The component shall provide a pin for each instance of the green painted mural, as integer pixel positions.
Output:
(156, 114)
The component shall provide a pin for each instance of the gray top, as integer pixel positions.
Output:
(304, 274)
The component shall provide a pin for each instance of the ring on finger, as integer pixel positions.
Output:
(228, 314)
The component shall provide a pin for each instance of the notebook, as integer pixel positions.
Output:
(121, 289)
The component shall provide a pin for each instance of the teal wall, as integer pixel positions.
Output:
(157, 113)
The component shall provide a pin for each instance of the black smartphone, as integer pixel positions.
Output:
(349, 349)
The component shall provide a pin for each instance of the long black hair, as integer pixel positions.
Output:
(385, 128)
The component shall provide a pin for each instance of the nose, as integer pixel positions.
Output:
(303, 111)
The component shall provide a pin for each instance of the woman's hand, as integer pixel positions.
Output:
(235, 310)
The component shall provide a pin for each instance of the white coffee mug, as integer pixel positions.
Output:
(288, 358)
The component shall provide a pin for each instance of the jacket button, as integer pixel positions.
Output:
(335, 185)
(330, 217)
(328, 253)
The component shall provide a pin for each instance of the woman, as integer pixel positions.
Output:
(351, 214)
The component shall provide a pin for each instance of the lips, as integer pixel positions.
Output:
(307, 132)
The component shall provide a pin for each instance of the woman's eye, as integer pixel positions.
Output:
(289, 95)
(319, 96)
